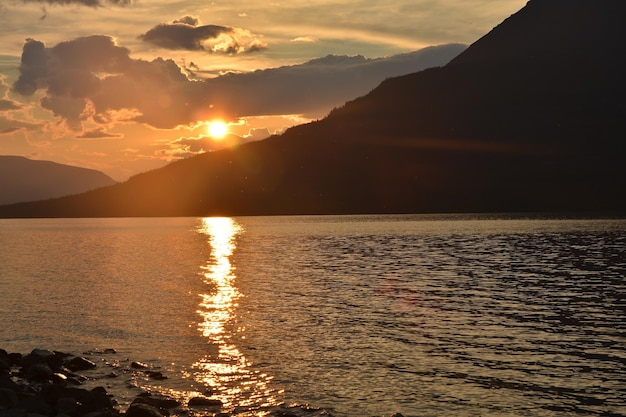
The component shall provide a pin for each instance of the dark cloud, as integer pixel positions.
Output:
(90, 3)
(6, 105)
(186, 34)
(182, 35)
(188, 20)
(69, 68)
(93, 80)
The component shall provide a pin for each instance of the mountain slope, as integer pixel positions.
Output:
(528, 118)
(23, 179)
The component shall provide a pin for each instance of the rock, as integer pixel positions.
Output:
(34, 403)
(5, 366)
(203, 402)
(59, 378)
(138, 365)
(97, 399)
(15, 359)
(53, 359)
(102, 413)
(156, 375)
(158, 401)
(7, 382)
(43, 354)
(79, 364)
(39, 372)
(8, 398)
(143, 410)
(67, 405)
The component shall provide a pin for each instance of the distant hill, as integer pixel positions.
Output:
(23, 179)
(531, 117)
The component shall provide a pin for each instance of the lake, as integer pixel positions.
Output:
(357, 315)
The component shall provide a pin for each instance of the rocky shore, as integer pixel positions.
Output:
(46, 383)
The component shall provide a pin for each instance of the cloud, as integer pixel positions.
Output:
(314, 87)
(6, 105)
(98, 133)
(90, 3)
(9, 125)
(258, 134)
(91, 78)
(72, 68)
(189, 146)
(186, 34)
(91, 81)
(306, 39)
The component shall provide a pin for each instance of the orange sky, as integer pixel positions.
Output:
(125, 86)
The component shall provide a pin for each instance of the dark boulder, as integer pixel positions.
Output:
(156, 375)
(96, 400)
(14, 358)
(143, 410)
(67, 406)
(39, 372)
(40, 356)
(204, 402)
(79, 364)
(8, 398)
(138, 365)
(7, 382)
(158, 401)
(4, 364)
(34, 403)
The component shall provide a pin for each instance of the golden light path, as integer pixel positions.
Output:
(227, 373)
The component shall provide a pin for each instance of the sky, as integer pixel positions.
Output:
(125, 86)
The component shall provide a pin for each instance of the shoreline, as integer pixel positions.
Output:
(58, 384)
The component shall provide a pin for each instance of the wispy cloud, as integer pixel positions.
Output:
(305, 39)
(98, 133)
(90, 3)
(10, 125)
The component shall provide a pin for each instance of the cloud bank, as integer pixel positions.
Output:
(93, 81)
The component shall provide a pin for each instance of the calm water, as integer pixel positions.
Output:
(363, 316)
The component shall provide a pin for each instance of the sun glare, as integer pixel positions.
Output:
(217, 129)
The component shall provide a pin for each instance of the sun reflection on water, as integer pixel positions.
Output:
(227, 373)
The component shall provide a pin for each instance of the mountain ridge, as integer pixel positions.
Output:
(488, 132)
(23, 179)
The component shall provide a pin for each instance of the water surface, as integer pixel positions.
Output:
(361, 315)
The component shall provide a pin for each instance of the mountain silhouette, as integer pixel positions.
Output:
(530, 118)
(23, 179)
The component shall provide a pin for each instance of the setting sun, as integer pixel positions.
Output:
(217, 129)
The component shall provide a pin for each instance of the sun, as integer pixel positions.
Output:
(217, 129)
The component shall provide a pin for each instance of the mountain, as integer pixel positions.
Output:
(23, 179)
(530, 118)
